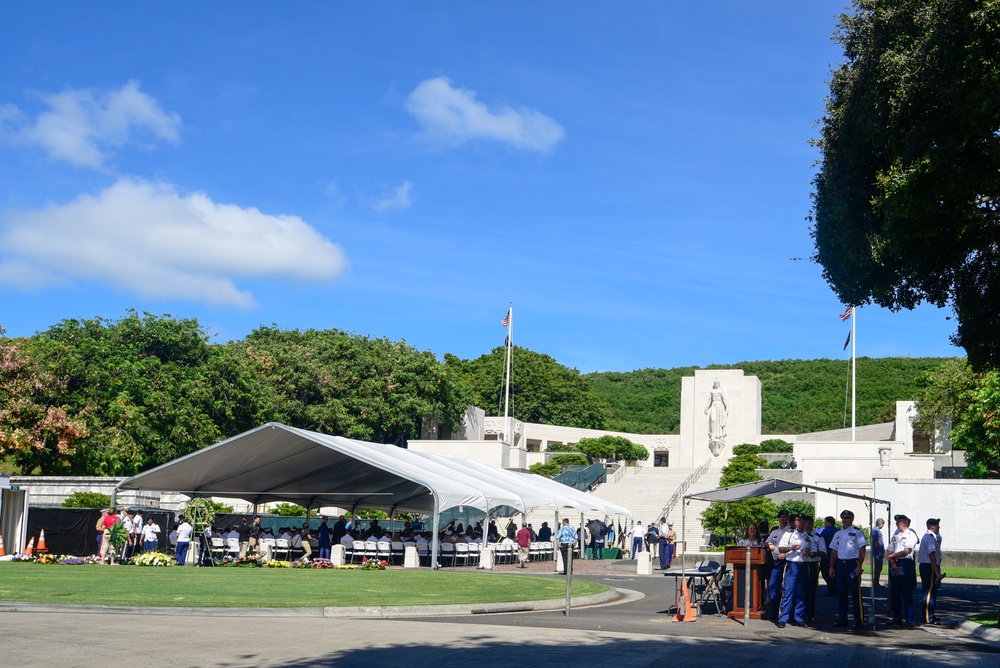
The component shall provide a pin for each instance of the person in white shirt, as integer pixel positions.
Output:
(150, 535)
(847, 559)
(183, 541)
(777, 574)
(902, 573)
(929, 563)
(796, 546)
(638, 534)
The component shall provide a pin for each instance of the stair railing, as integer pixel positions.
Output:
(685, 486)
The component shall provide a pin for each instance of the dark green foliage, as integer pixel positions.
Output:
(542, 390)
(795, 507)
(569, 460)
(87, 500)
(907, 197)
(799, 396)
(289, 510)
(775, 445)
(612, 447)
(548, 469)
(737, 515)
(360, 387)
(560, 447)
(647, 401)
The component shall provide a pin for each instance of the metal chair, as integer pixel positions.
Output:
(385, 552)
(218, 548)
(447, 554)
(475, 551)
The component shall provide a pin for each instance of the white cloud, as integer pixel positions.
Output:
(453, 116)
(80, 126)
(399, 199)
(148, 239)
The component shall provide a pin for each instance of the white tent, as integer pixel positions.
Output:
(275, 462)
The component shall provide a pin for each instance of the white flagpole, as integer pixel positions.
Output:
(510, 346)
(854, 374)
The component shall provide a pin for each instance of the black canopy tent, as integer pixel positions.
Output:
(773, 486)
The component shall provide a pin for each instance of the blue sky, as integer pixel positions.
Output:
(635, 178)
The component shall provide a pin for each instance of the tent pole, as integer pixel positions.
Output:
(436, 525)
(555, 550)
(871, 559)
(583, 550)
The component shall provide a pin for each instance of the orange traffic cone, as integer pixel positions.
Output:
(686, 612)
(41, 542)
(31, 546)
(2, 553)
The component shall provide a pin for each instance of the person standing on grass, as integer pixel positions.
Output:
(523, 545)
(183, 541)
(566, 540)
(324, 538)
(107, 548)
(150, 535)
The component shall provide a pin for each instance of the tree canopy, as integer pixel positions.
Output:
(541, 390)
(905, 204)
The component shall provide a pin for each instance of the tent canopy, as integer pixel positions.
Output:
(275, 462)
(765, 487)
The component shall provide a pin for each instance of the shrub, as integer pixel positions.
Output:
(87, 500)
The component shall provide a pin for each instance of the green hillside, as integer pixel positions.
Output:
(798, 396)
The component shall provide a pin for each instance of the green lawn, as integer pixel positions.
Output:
(270, 587)
(985, 618)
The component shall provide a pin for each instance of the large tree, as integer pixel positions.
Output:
(906, 204)
(541, 389)
(356, 386)
(150, 388)
(38, 432)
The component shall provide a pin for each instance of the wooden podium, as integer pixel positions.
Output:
(736, 559)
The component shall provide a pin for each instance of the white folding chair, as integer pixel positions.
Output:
(504, 554)
(218, 548)
(475, 552)
(385, 551)
(462, 554)
(447, 554)
(535, 552)
(282, 546)
(371, 549)
(233, 546)
(424, 553)
(398, 551)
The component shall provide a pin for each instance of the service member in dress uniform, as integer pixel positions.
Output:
(778, 569)
(928, 561)
(817, 546)
(902, 572)
(795, 547)
(847, 558)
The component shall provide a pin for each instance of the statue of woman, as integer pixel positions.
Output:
(718, 413)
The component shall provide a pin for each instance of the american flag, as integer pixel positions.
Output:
(846, 315)
(506, 320)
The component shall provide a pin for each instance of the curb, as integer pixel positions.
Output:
(987, 633)
(363, 612)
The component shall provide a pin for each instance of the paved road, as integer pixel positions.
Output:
(638, 633)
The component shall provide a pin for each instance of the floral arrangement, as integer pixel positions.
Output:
(321, 563)
(153, 559)
(373, 565)
(347, 567)
(72, 561)
(277, 563)
(47, 559)
(92, 559)
(242, 562)
(24, 557)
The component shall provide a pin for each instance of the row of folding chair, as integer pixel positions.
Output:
(391, 553)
